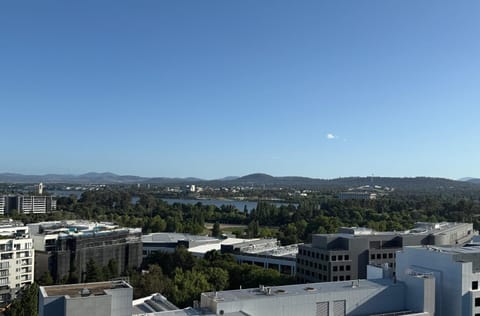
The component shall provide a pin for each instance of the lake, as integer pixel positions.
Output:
(240, 205)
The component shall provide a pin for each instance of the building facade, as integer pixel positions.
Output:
(64, 248)
(92, 299)
(344, 256)
(28, 204)
(362, 297)
(16, 259)
(456, 271)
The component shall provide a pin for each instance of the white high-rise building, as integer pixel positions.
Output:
(3, 204)
(16, 259)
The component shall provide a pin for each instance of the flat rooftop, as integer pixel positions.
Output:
(420, 228)
(174, 238)
(76, 290)
(469, 249)
(300, 289)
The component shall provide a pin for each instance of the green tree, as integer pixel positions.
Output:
(46, 279)
(216, 232)
(26, 304)
(93, 273)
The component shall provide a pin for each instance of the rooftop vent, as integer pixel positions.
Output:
(85, 292)
(310, 289)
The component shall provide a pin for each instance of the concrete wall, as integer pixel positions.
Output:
(448, 277)
(91, 305)
(121, 301)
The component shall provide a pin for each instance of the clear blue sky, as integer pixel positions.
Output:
(217, 88)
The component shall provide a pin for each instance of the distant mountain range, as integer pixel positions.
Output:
(256, 179)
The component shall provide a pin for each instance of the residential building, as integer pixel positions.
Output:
(16, 259)
(92, 299)
(63, 248)
(345, 255)
(3, 204)
(28, 204)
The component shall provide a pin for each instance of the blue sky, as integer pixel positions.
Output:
(217, 88)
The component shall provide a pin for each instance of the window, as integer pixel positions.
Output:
(342, 278)
(335, 268)
(335, 278)
(342, 268)
(384, 256)
(326, 258)
(321, 256)
(347, 267)
(340, 258)
(379, 256)
(334, 258)
(475, 285)
(347, 277)
(317, 255)
(372, 257)
(346, 258)
(477, 301)
(390, 255)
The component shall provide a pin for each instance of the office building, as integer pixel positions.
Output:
(357, 195)
(265, 253)
(16, 259)
(345, 255)
(63, 247)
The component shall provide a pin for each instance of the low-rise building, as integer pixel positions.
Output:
(361, 297)
(266, 253)
(92, 299)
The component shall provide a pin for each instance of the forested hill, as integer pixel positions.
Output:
(256, 180)
(412, 183)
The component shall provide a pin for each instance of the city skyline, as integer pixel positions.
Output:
(212, 89)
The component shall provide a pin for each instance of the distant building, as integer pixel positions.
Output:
(3, 204)
(16, 259)
(355, 195)
(62, 247)
(92, 299)
(27, 204)
(345, 255)
(266, 253)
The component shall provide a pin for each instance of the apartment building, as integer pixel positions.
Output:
(344, 256)
(28, 204)
(16, 259)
